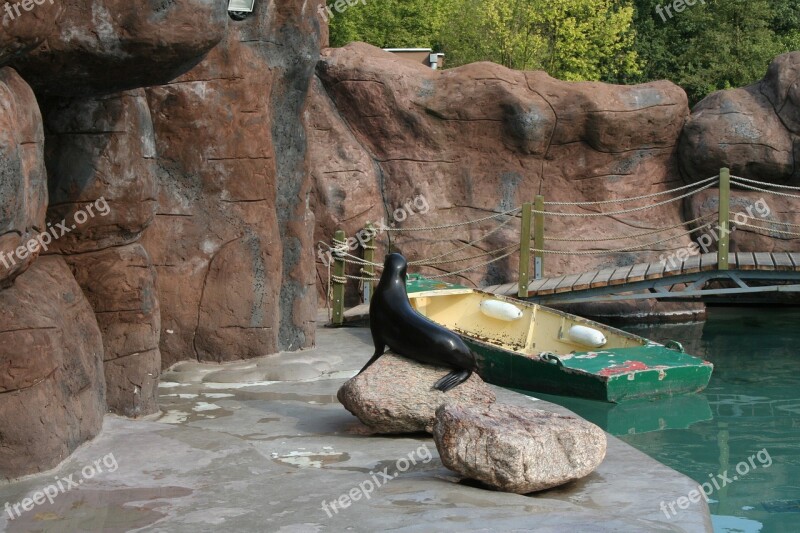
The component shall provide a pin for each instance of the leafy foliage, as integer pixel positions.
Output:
(714, 45)
(709, 45)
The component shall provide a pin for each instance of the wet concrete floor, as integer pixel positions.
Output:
(264, 445)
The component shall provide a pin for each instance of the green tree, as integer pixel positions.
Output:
(716, 45)
(388, 23)
(570, 39)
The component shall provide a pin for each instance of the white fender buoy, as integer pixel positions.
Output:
(587, 336)
(500, 310)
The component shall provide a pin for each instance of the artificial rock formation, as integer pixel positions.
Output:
(396, 395)
(119, 283)
(23, 181)
(100, 157)
(482, 139)
(107, 46)
(52, 388)
(233, 235)
(21, 34)
(515, 449)
(754, 131)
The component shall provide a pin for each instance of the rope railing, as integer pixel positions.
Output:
(765, 184)
(455, 224)
(765, 191)
(622, 250)
(636, 236)
(625, 211)
(769, 230)
(636, 198)
(533, 217)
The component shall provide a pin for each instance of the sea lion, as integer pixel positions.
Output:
(394, 323)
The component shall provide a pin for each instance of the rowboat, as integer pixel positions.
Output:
(531, 347)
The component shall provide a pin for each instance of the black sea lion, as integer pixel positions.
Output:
(395, 324)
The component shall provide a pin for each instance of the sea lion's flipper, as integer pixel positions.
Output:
(378, 352)
(452, 380)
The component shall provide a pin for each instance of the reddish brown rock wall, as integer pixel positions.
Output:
(233, 236)
(23, 181)
(101, 165)
(119, 283)
(51, 376)
(107, 46)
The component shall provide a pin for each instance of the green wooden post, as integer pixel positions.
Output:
(525, 251)
(369, 270)
(724, 218)
(338, 279)
(538, 239)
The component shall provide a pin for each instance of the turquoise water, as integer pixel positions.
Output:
(748, 417)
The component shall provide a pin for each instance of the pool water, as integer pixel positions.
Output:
(748, 417)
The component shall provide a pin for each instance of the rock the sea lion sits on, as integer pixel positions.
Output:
(394, 323)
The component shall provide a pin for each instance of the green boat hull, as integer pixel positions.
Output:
(516, 371)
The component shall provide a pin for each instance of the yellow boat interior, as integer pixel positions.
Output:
(538, 329)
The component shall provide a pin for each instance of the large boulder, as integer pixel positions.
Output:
(482, 139)
(738, 129)
(119, 283)
(107, 46)
(234, 193)
(396, 395)
(754, 131)
(52, 388)
(516, 449)
(23, 181)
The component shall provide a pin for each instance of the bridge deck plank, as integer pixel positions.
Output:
(638, 272)
(567, 283)
(550, 285)
(764, 261)
(536, 284)
(585, 281)
(746, 261)
(708, 262)
(507, 289)
(672, 268)
(620, 275)
(782, 261)
(601, 280)
(795, 260)
(655, 271)
(691, 264)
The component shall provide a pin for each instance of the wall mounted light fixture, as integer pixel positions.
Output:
(240, 9)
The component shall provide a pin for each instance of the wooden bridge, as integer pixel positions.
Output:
(694, 278)
(722, 276)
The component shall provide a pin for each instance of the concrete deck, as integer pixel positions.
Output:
(265, 456)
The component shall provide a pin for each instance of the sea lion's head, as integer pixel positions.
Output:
(395, 267)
